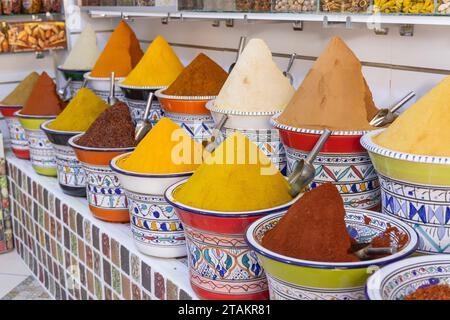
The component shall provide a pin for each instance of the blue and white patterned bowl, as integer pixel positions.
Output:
(399, 279)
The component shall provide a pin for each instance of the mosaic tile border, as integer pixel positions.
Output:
(73, 257)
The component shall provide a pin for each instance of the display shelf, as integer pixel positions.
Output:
(77, 256)
(32, 17)
(370, 19)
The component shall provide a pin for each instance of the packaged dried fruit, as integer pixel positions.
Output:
(4, 44)
(295, 5)
(37, 36)
(352, 6)
(254, 5)
(31, 6)
(11, 6)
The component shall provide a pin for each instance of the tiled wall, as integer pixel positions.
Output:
(71, 256)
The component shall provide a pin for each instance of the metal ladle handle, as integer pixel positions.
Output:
(242, 42)
(85, 82)
(378, 251)
(215, 132)
(399, 104)
(148, 106)
(291, 62)
(318, 146)
(111, 85)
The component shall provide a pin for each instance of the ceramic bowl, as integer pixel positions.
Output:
(17, 134)
(342, 161)
(189, 113)
(100, 86)
(402, 278)
(221, 265)
(415, 189)
(291, 278)
(136, 99)
(257, 127)
(71, 175)
(42, 153)
(75, 75)
(107, 200)
(157, 230)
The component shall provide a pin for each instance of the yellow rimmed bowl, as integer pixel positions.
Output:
(157, 230)
(257, 127)
(136, 98)
(297, 279)
(42, 153)
(70, 172)
(416, 189)
(189, 112)
(101, 86)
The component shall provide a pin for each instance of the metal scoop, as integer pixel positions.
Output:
(242, 42)
(85, 82)
(287, 73)
(368, 252)
(387, 116)
(112, 99)
(143, 126)
(62, 92)
(304, 172)
(215, 134)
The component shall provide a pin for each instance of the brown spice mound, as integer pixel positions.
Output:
(434, 292)
(202, 77)
(313, 229)
(114, 128)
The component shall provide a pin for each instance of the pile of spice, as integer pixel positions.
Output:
(80, 113)
(171, 148)
(423, 128)
(433, 292)
(202, 77)
(84, 53)
(159, 67)
(121, 54)
(114, 128)
(236, 177)
(43, 100)
(333, 95)
(21, 93)
(256, 83)
(313, 229)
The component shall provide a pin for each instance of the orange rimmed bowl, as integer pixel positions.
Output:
(107, 199)
(189, 112)
(19, 139)
(342, 161)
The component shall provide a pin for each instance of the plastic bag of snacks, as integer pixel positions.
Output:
(31, 6)
(11, 6)
(51, 6)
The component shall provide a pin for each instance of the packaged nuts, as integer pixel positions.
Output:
(11, 6)
(31, 6)
(4, 44)
(295, 5)
(37, 36)
(353, 6)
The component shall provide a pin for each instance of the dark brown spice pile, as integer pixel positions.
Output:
(114, 128)
(434, 292)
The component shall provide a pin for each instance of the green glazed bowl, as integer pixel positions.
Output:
(291, 278)
(416, 189)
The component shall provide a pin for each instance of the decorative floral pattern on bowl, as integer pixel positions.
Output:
(342, 161)
(291, 278)
(17, 134)
(70, 171)
(137, 109)
(402, 278)
(199, 126)
(415, 189)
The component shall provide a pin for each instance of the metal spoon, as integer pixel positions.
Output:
(112, 99)
(143, 126)
(216, 131)
(85, 82)
(386, 116)
(368, 251)
(287, 73)
(62, 92)
(240, 49)
(304, 171)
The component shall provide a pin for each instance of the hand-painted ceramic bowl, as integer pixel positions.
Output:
(17, 134)
(257, 127)
(189, 113)
(136, 99)
(399, 279)
(342, 161)
(157, 230)
(71, 176)
(75, 75)
(100, 86)
(221, 264)
(415, 189)
(298, 279)
(42, 153)
(107, 200)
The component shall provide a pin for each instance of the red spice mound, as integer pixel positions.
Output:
(114, 128)
(434, 292)
(390, 237)
(43, 100)
(313, 229)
